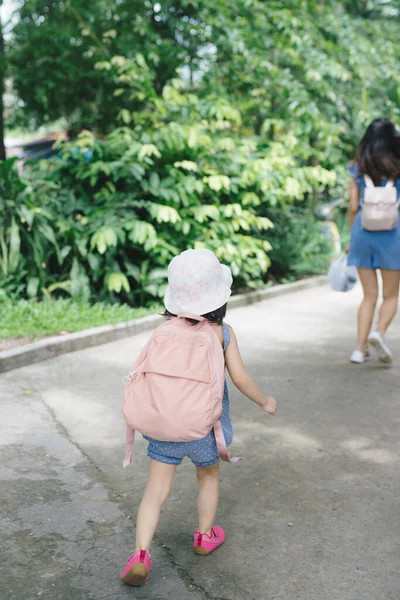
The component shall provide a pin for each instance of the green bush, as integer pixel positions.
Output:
(298, 245)
(28, 236)
(103, 219)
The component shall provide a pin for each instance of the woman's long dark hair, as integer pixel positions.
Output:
(216, 316)
(379, 151)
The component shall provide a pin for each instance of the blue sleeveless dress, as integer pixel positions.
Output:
(204, 452)
(373, 249)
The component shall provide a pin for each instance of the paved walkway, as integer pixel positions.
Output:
(312, 513)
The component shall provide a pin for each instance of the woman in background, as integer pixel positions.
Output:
(378, 158)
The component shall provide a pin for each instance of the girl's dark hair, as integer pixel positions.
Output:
(379, 151)
(216, 316)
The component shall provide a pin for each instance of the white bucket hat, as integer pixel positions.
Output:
(197, 283)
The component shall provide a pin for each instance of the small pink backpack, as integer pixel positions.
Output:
(175, 390)
(380, 207)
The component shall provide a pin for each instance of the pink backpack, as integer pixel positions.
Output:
(380, 207)
(175, 390)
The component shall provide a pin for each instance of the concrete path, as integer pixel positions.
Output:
(312, 513)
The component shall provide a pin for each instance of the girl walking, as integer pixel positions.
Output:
(377, 164)
(198, 285)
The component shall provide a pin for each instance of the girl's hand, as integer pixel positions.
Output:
(269, 406)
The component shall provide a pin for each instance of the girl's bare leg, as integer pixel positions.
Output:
(207, 503)
(157, 491)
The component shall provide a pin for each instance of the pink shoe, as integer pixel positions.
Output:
(137, 568)
(204, 544)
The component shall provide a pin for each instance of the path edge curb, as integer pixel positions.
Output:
(52, 347)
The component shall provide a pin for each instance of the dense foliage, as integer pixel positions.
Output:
(204, 122)
(313, 68)
(106, 216)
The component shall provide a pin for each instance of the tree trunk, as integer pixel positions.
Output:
(2, 78)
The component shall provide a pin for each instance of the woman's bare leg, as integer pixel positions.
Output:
(391, 281)
(366, 311)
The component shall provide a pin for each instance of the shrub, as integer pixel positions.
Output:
(102, 220)
(28, 237)
(298, 244)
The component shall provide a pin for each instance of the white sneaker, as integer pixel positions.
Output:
(358, 357)
(376, 341)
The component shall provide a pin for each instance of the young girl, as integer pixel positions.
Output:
(199, 285)
(378, 158)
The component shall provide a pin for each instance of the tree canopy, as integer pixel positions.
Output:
(192, 123)
(316, 68)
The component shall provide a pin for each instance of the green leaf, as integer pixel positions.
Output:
(50, 235)
(251, 199)
(4, 252)
(186, 228)
(33, 287)
(149, 150)
(81, 244)
(144, 234)
(103, 239)
(65, 251)
(187, 165)
(61, 285)
(118, 61)
(163, 214)
(204, 212)
(15, 246)
(94, 261)
(125, 115)
(104, 65)
(79, 287)
(116, 282)
(133, 271)
(218, 182)
(27, 215)
(154, 181)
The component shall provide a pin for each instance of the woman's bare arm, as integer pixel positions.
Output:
(354, 199)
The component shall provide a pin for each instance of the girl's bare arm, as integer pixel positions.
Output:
(243, 380)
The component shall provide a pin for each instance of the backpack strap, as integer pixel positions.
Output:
(130, 440)
(390, 183)
(370, 184)
(221, 444)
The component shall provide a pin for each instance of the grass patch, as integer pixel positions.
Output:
(29, 318)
